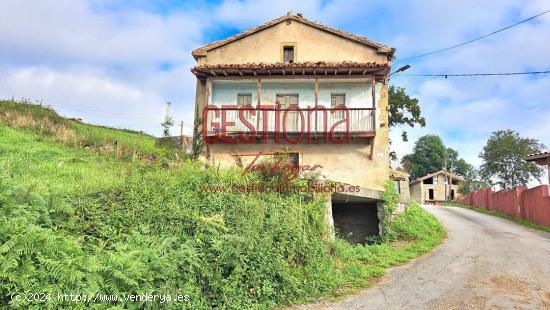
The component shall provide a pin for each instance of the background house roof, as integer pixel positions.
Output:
(381, 48)
(538, 157)
(398, 175)
(451, 175)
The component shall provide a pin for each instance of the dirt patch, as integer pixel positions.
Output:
(546, 299)
(506, 284)
(477, 302)
(400, 243)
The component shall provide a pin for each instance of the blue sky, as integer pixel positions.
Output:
(117, 62)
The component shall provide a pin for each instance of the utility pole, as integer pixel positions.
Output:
(450, 179)
(445, 180)
(181, 134)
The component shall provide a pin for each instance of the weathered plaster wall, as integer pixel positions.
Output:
(347, 163)
(311, 45)
(358, 92)
(225, 93)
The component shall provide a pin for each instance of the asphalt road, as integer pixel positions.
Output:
(485, 263)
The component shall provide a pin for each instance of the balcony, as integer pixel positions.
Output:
(275, 122)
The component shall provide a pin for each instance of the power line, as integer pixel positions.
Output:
(112, 115)
(478, 74)
(473, 40)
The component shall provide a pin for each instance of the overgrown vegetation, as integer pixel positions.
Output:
(74, 219)
(386, 213)
(501, 215)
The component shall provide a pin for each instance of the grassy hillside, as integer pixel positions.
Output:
(78, 217)
(45, 121)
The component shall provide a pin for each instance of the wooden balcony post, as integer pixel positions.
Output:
(316, 103)
(373, 104)
(259, 96)
(208, 91)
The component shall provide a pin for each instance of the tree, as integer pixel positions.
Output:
(472, 185)
(428, 156)
(403, 110)
(198, 142)
(503, 160)
(463, 168)
(168, 121)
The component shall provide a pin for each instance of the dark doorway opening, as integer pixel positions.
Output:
(355, 221)
(430, 194)
(452, 194)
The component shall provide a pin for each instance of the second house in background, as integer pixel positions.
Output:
(435, 188)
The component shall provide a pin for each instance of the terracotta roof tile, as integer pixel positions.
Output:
(320, 65)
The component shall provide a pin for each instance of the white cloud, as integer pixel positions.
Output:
(96, 98)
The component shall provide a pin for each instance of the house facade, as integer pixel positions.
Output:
(435, 188)
(297, 87)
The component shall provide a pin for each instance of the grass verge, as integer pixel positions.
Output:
(502, 215)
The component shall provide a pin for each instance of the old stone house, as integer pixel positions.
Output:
(310, 91)
(435, 188)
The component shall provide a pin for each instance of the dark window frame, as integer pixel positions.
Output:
(292, 51)
(243, 95)
(287, 94)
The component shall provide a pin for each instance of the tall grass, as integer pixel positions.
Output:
(46, 122)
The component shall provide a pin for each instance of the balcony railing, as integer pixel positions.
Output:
(358, 122)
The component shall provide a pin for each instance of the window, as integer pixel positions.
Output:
(291, 159)
(397, 186)
(287, 100)
(288, 54)
(338, 100)
(242, 100)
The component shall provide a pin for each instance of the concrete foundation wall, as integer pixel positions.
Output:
(416, 192)
(355, 221)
